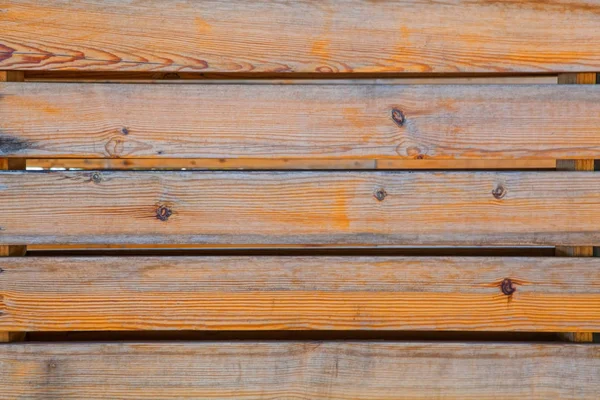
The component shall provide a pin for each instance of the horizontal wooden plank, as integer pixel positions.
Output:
(437, 122)
(300, 370)
(271, 293)
(279, 163)
(303, 36)
(309, 208)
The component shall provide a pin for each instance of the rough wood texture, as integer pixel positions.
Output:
(392, 122)
(300, 370)
(327, 293)
(303, 36)
(377, 208)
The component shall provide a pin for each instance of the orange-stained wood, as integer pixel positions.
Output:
(309, 208)
(328, 293)
(350, 122)
(329, 36)
(245, 370)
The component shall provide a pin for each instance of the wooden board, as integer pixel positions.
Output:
(305, 36)
(300, 370)
(377, 208)
(310, 122)
(273, 293)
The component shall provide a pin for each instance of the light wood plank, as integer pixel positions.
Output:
(344, 208)
(302, 36)
(349, 122)
(539, 294)
(300, 370)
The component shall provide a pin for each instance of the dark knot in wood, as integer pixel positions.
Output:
(96, 177)
(507, 287)
(499, 192)
(380, 194)
(163, 213)
(398, 117)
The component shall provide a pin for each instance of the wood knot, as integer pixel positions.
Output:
(163, 213)
(97, 177)
(507, 287)
(398, 117)
(380, 194)
(125, 131)
(499, 192)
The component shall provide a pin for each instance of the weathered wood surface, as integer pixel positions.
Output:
(377, 208)
(301, 36)
(300, 370)
(354, 122)
(272, 293)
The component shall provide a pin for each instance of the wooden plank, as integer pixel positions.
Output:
(343, 208)
(303, 370)
(354, 122)
(545, 294)
(276, 164)
(304, 36)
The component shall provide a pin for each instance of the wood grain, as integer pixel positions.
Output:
(300, 370)
(309, 208)
(327, 293)
(302, 36)
(353, 122)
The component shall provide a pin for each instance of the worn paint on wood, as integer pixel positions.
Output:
(301, 370)
(327, 293)
(311, 122)
(377, 208)
(329, 36)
